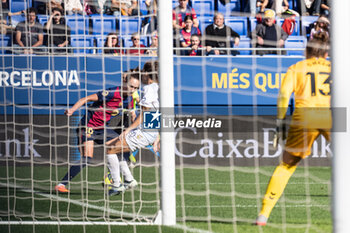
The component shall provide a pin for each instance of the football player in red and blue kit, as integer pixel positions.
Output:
(94, 125)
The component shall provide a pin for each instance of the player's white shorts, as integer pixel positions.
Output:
(138, 138)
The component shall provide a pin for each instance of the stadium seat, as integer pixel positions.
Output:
(19, 5)
(252, 23)
(5, 41)
(100, 41)
(205, 21)
(306, 22)
(296, 42)
(296, 31)
(228, 8)
(128, 25)
(292, 4)
(203, 7)
(104, 24)
(80, 42)
(15, 19)
(244, 43)
(42, 19)
(79, 24)
(238, 24)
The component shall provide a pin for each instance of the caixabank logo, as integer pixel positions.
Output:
(151, 120)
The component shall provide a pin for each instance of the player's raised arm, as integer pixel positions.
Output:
(80, 103)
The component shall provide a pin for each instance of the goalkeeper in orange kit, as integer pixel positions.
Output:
(310, 81)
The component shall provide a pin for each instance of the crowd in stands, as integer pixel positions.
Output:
(267, 26)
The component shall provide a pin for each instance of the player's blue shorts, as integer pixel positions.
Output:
(98, 136)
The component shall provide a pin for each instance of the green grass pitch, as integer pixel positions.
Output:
(217, 199)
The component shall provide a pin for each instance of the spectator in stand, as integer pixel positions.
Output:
(4, 26)
(321, 25)
(4, 9)
(111, 45)
(196, 47)
(325, 8)
(218, 35)
(135, 37)
(253, 6)
(125, 7)
(179, 14)
(280, 6)
(266, 5)
(58, 33)
(150, 23)
(29, 35)
(73, 7)
(51, 4)
(268, 34)
(154, 45)
(310, 7)
(188, 31)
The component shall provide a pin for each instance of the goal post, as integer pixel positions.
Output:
(340, 70)
(168, 201)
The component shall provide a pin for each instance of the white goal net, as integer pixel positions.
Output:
(218, 114)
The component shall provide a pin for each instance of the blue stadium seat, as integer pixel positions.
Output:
(15, 19)
(205, 21)
(100, 41)
(244, 43)
(5, 41)
(19, 5)
(79, 42)
(228, 8)
(104, 24)
(128, 25)
(296, 31)
(79, 24)
(43, 19)
(238, 24)
(292, 4)
(203, 7)
(252, 23)
(306, 21)
(296, 42)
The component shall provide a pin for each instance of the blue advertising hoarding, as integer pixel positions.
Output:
(41, 84)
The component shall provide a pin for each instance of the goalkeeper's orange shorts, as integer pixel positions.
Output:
(300, 140)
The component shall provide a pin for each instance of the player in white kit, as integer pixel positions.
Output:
(135, 137)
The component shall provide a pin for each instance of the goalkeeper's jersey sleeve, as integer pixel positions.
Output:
(310, 81)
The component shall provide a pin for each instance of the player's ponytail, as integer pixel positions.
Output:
(318, 46)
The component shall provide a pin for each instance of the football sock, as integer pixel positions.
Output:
(74, 170)
(275, 188)
(126, 171)
(113, 166)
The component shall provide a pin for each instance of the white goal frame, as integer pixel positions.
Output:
(341, 96)
(166, 74)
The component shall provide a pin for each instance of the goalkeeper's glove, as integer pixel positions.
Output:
(281, 132)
